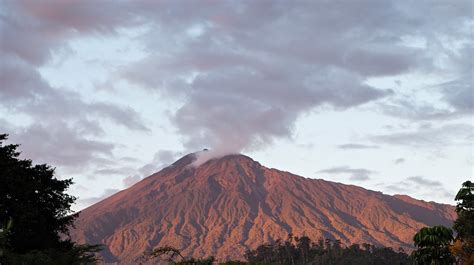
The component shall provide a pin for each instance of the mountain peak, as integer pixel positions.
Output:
(199, 158)
(234, 158)
(229, 203)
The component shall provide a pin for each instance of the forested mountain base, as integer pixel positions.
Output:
(302, 251)
(299, 251)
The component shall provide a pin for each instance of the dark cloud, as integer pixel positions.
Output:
(399, 160)
(62, 121)
(243, 71)
(455, 92)
(19, 80)
(357, 146)
(401, 187)
(459, 93)
(244, 75)
(245, 97)
(32, 30)
(358, 174)
(60, 145)
(420, 180)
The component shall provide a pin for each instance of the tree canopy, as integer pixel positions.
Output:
(433, 245)
(464, 224)
(302, 250)
(35, 213)
(463, 246)
(438, 245)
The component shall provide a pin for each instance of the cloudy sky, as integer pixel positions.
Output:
(371, 93)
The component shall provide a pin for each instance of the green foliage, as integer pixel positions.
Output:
(436, 236)
(168, 253)
(433, 245)
(35, 214)
(297, 251)
(436, 245)
(75, 255)
(463, 247)
(464, 225)
(193, 261)
(301, 251)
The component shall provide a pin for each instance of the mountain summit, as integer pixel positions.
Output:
(229, 204)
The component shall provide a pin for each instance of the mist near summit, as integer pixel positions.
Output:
(246, 77)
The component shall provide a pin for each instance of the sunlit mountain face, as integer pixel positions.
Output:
(223, 206)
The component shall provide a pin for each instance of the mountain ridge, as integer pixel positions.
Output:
(226, 205)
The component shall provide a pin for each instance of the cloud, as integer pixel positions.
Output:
(245, 76)
(130, 180)
(114, 171)
(239, 90)
(62, 145)
(408, 107)
(161, 159)
(243, 72)
(421, 186)
(358, 174)
(58, 122)
(453, 94)
(50, 24)
(424, 181)
(91, 200)
(399, 160)
(427, 136)
(240, 106)
(357, 146)
(25, 91)
(459, 92)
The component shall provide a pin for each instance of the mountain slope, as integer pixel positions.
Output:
(227, 205)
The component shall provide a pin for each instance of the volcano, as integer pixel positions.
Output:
(233, 203)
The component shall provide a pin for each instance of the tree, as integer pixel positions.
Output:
(35, 213)
(173, 256)
(433, 245)
(325, 252)
(170, 254)
(463, 246)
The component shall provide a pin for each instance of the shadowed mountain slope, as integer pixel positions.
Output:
(227, 205)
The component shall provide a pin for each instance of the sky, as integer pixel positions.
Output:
(372, 93)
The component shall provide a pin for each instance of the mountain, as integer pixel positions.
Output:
(229, 204)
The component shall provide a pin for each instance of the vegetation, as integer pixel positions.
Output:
(298, 251)
(463, 246)
(35, 214)
(173, 256)
(437, 246)
(433, 246)
(35, 217)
